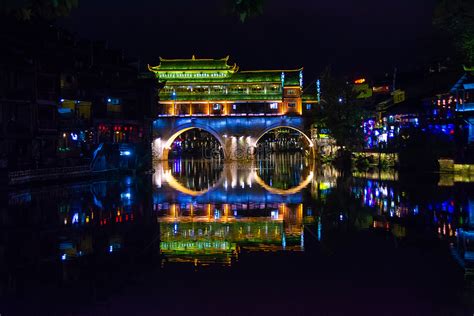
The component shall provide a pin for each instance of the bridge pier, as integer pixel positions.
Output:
(239, 147)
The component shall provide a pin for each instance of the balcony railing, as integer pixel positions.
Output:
(465, 107)
(220, 97)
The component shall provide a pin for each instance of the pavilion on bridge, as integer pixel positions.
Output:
(212, 87)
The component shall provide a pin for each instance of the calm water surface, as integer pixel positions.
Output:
(277, 236)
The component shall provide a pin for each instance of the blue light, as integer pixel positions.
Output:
(465, 107)
(62, 100)
(319, 228)
(125, 153)
(63, 257)
(282, 79)
(75, 218)
(274, 214)
(64, 111)
(340, 100)
(127, 196)
(109, 100)
(74, 136)
(318, 89)
(111, 248)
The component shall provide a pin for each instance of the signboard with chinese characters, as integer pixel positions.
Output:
(398, 96)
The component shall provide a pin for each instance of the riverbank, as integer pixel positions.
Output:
(58, 175)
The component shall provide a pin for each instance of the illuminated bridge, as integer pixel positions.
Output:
(236, 107)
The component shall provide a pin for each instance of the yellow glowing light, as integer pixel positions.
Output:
(293, 190)
(172, 182)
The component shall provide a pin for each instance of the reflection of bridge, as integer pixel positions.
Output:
(231, 187)
(237, 135)
(209, 233)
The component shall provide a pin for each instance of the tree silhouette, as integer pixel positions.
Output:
(246, 8)
(37, 9)
(456, 17)
(339, 112)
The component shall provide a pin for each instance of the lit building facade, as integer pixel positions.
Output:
(212, 87)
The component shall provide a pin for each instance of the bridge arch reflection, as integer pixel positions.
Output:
(278, 191)
(276, 127)
(229, 181)
(164, 173)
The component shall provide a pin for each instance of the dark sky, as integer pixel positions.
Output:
(351, 35)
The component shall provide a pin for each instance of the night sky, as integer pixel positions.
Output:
(353, 36)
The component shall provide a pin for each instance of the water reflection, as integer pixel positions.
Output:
(284, 171)
(205, 233)
(447, 210)
(240, 207)
(210, 213)
(406, 207)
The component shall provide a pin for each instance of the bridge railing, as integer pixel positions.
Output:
(221, 115)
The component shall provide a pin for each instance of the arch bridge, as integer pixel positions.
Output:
(237, 135)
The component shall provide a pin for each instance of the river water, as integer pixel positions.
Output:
(276, 236)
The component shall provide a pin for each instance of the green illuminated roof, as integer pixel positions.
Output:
(272, 76)
(469, 69)
(193, 64)
(194, 70)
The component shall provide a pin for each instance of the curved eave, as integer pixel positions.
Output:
(468, 69)
(193, 58)
(152, 68)
(187, 62)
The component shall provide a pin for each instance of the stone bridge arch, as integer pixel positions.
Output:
(161, 145)
(237, 135)
(294, 127)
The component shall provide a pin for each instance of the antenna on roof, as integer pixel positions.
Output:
(394, 79)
